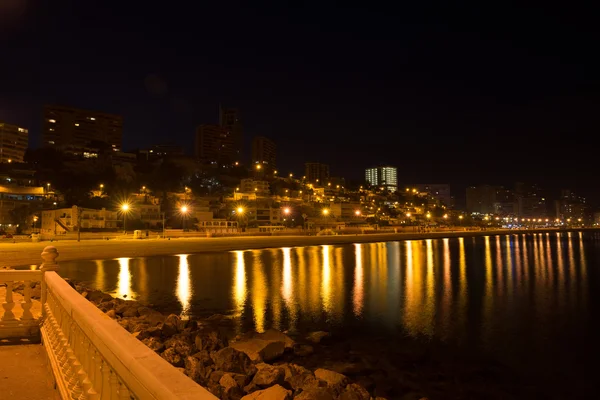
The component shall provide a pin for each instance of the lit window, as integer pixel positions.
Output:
(22, 130)
(52, 121)
(51, 129)
(114, 145)
(76, 124)
(92, 118)
(51, 141)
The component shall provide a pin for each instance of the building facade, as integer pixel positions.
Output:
(78, 131)
(438, 191)
(316, 172)
(385, 177)
(214, 144)
(13, 143)
(264, 152)
(62, 220)
(229, 119)
(259, 187)
(481, 199)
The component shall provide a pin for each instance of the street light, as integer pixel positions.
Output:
(357, 213)
(258, 166)
(184, 210)
(286, 211)
(124, 209)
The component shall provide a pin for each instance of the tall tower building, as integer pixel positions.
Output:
(316, 172)
(13, 143)
(214, 144)
(386, 177)
(264, 151)
(229, 119)
(77, 130)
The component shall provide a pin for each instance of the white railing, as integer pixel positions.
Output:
(19, 322)
(91, 355)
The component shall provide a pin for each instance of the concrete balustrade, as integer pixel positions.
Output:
(16, 318)
(91, 355)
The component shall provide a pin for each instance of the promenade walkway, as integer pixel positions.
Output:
(24, 370)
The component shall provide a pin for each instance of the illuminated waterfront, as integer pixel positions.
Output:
(518, 297)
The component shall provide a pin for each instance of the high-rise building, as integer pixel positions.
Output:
(385, 176)
(214, 144)
(264, 151)
(13, 143)
(76, 130)
(439, 192)
(316, 172)
(571, 206)
(481, 199)
(229, 119)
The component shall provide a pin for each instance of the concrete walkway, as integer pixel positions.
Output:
(25, 374)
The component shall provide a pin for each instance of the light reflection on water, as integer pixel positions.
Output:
(509, 293)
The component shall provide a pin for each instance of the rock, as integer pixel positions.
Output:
(232, 360)
(316, 337)
(354, 392)
(349, 368)
(131, 312)
(182, 370)
(315, 394)
(300, 378)
(95, 296)
(112, 314)
(260, 350)
(143, 311)
(154, 344)
(153, 318)
(210, 338)
(251, 387)
(172, 319)
(180, 344)
(231, 389)
(216, 376)
(275, 335)
(303, 350)
(167, 330)
(268, 375)
(334, 380)
(138, 327)
(276, 392)
(196, 369)
(105, 298)
(126, 306)
(173, 357)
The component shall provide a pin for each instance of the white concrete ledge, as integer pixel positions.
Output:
(145, 373)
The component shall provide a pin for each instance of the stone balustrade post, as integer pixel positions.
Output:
(49, 256)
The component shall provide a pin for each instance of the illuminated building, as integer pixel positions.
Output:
(316, 172)
(385, 176)
(77, 131)
(214, 144)
(264, 151)
(13, 143)
(229, 119)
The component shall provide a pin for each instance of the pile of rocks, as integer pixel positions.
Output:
(252, 366)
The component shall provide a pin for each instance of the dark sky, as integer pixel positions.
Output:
(460, 94)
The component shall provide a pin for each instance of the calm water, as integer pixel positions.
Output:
(527, 299)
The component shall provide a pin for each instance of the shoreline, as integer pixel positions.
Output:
(23, 253)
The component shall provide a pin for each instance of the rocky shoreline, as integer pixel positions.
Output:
(316, 365)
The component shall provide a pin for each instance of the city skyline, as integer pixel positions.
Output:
(444, 96)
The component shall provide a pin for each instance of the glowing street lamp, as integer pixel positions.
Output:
(357, 213)
(240, 210)
(408, 215)
(325, 211)
(445, 216)
(125, 209)
(286, 211)
(258, 167)
(184, 211)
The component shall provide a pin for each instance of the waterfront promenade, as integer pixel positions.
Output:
(26, 253)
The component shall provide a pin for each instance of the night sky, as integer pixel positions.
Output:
(465, 95)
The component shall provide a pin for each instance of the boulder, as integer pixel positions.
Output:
(275, 335)
(268, 375)
(334, 380)
(210, 338)
(130, 312)
(167, 330)
(143, 311)
(300, 378)
(232, 360)
(153, 318)
(350, 368)
(276, 392)
(317, 337)
(172, 319)
(354, 392)
(315, 394)
(173, 357)
(260, 350)
(128, 306)
(95, 296)
(112, 314)
(154, 344)
(231, 389)
(303, 350)
(180, 344)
